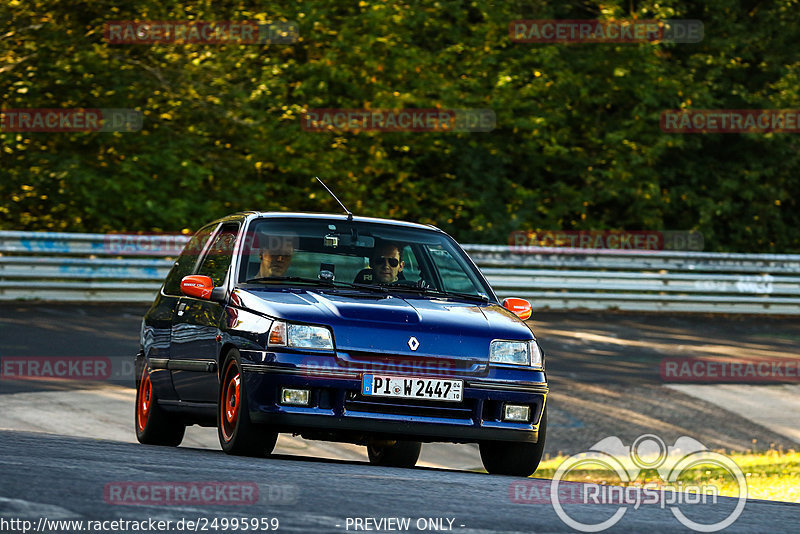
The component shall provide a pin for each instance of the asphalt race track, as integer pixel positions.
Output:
(66, 478)
(67, 450)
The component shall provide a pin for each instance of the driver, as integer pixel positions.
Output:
(275, 255)
(386, 263)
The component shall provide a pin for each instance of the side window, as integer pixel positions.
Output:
(187, 260)
(219, 255)
(453, 276)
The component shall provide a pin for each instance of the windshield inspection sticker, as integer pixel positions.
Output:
(400, 524)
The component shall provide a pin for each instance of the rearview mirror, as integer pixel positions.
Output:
(198, 286)
(519, 307)
(334, 240)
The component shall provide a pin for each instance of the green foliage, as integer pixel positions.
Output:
(577, 144)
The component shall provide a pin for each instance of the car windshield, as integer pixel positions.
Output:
(301, 251)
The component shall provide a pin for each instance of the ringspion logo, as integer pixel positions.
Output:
(649, 452)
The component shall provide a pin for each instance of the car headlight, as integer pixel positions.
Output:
(300, 336)
(516, 353)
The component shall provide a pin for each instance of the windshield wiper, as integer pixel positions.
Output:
(437, 292)
(317, 282)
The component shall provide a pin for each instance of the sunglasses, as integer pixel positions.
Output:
(393, 262)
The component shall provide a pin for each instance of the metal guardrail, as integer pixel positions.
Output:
(671, 281)
(56, 266)
(129, 268)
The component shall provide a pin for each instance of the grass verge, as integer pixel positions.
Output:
(772, 475)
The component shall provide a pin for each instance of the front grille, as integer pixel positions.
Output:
(411, 407)
(411, 365)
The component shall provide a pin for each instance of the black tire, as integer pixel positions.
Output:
(513, 458)
(401, 454)
(237, 434)
(153, 425)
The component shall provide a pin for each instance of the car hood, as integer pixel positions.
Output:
(384, 324)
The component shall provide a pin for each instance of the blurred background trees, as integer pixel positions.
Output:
(577, 145)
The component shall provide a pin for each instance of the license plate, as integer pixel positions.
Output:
(407, 387)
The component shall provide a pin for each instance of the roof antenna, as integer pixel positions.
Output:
(349, 213)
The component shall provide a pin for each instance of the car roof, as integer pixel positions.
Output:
(336, 216)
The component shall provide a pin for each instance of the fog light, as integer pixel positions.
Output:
(515, 412)
(294, 396)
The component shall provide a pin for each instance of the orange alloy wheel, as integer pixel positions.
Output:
(230, 400)
(145, 397)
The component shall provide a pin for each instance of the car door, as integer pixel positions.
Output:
(157, 332)
(195, 327)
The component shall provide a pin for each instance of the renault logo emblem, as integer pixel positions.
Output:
(413, 343)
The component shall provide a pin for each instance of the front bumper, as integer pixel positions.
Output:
(337, 409)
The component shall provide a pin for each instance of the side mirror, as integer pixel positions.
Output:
(197, 285)
(519, 307)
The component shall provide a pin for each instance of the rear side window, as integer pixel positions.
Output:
(218, 258)
(187, 260)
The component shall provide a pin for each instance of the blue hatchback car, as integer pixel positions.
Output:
(340, 328)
